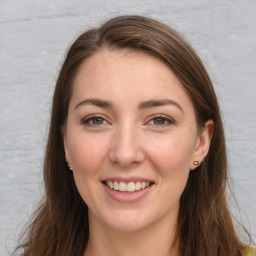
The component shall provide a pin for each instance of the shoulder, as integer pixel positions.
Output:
(249, 252)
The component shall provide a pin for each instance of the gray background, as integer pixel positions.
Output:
(34, 36)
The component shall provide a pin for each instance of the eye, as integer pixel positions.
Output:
(94, 121)
(160, 121)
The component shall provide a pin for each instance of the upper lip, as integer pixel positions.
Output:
(127, 179)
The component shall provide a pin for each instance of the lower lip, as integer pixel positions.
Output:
(127, 197)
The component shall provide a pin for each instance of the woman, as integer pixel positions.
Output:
(136, 160)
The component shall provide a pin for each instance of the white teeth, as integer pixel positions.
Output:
(138, 185)
(122, 186)
(127, 187)
(116, 187)
(130, 187)
(110, 184)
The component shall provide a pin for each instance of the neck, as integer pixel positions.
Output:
(155, 240)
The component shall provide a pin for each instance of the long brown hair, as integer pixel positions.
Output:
(205, 226)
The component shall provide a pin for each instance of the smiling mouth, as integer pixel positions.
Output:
(129, 186)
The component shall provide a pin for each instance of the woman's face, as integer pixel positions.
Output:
(131, 139)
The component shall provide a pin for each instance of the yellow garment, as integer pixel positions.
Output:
(249, 252)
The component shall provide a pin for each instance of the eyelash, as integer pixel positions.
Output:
(167, 121)
(88, 119)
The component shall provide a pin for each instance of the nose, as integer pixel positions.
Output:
(126, 150)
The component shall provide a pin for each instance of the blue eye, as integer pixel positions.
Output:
(160, 121)
(94, 121)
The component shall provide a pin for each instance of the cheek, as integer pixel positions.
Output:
(171, 162)
(87, 154)
(171, 158)
(87, 157)
(173, 152)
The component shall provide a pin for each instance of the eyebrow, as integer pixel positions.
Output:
(159, 103)
(96, 102)
(143, 105)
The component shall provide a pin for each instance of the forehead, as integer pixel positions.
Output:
(127, 76)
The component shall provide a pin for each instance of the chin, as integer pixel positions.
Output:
(127, 227)
(129, 221)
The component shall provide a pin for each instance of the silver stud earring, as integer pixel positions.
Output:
(69, 166)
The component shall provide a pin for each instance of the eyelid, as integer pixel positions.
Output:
(85, 120)
(167, 118)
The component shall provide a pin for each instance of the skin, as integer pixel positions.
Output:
(128, 138)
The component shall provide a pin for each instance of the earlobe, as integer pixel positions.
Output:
(203, 144)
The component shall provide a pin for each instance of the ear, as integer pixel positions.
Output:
(64, 138)
(202, 145)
